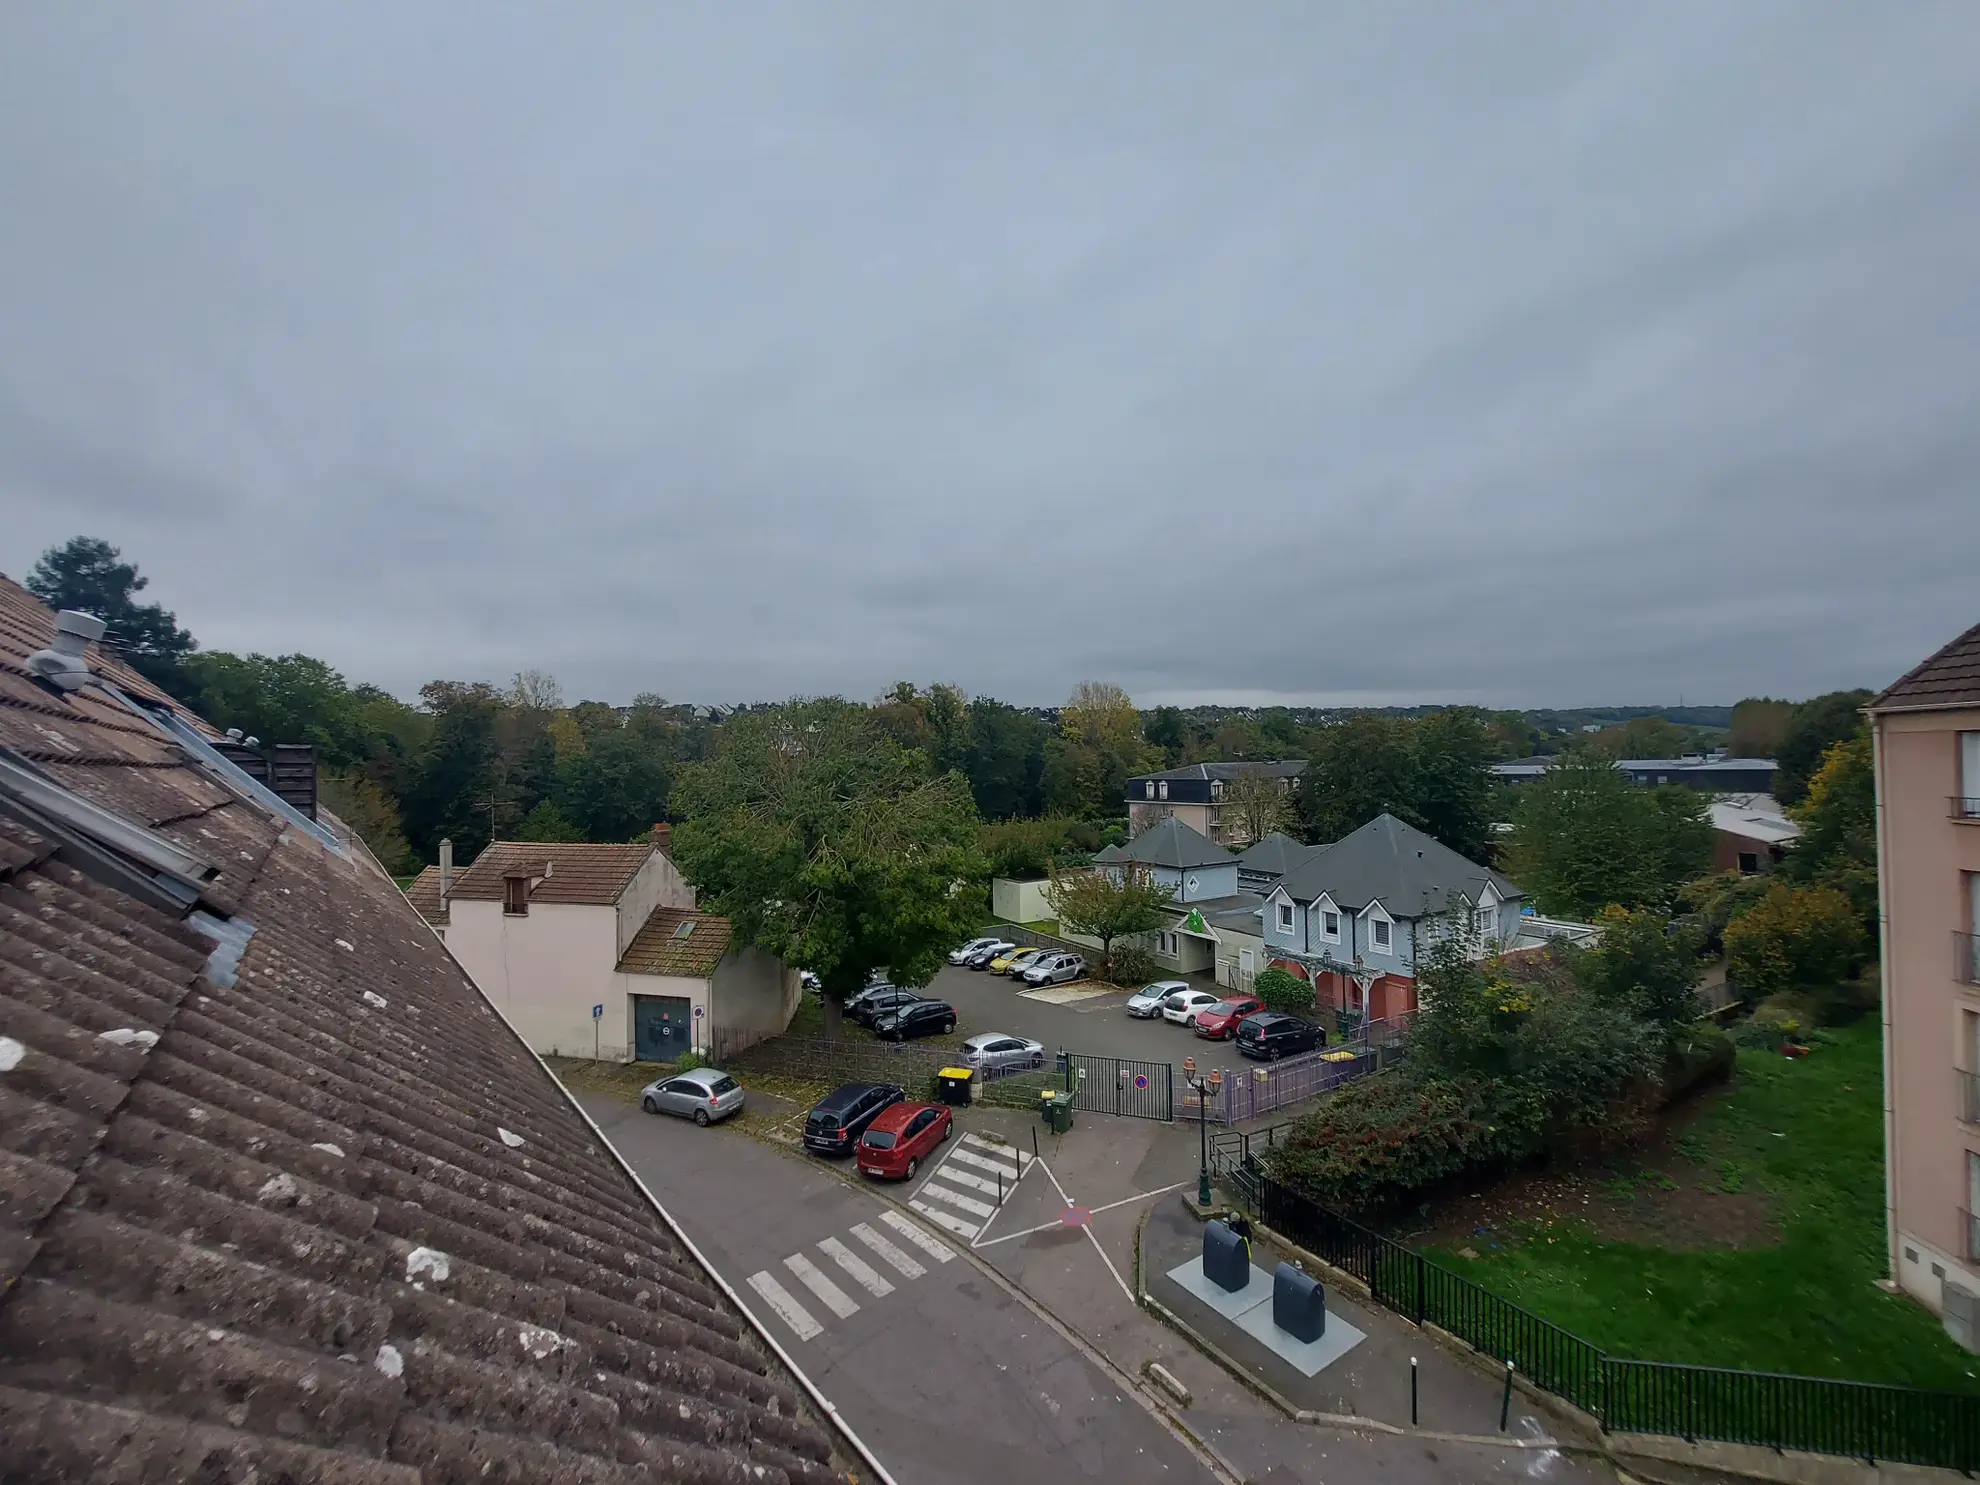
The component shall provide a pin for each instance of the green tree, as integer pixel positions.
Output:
(1759, 727)
(1449, 753)
(1642, 737)
(1099, 746)
(1645, 963)
(1838, 819)
(87, 573)
(1025, 850)
(1006, 762)
(1166, 730)
(372, 813)
(1360, 768)
(280, 699)
(1819, 724)
(548, 823)
(1109, 903)
(1585, 837)
(1794, 938)
(829, 846)
(1283, 991)
(454, 789)
(616, 789)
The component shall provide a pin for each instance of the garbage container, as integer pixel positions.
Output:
(1056, 1109)
(952, 1086)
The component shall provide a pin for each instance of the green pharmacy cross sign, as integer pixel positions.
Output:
(1194, 923)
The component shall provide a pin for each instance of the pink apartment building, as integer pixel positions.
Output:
(1927, 730)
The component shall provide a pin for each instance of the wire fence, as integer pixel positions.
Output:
(1863, 1420)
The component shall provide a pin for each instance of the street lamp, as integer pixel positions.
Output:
(1205, 1087)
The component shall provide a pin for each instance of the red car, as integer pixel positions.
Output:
(896, 1143)
(1219, 1022)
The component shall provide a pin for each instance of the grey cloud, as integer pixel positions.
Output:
(1534, 356)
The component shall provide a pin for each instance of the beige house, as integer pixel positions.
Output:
(1927, 734)
(1203, 796)
(599, 951)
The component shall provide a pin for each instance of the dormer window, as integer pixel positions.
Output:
(1162, 789)
(1379, 930)
(1285, 917)
(515, 897)
(1148, 789)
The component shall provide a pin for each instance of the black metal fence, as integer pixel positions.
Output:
(1098, 1085)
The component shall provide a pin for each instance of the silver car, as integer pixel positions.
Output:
(1051, 969)
(994, 1049)
(1146, 1003)
(706, 1095)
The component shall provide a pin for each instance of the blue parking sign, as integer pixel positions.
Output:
(597, 1012)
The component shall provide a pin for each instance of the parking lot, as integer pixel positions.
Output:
(1097, 1025)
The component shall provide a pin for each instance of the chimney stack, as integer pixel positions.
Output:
(663, 837)
(446, 870)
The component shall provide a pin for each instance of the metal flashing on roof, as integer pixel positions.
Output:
(114, 849)
(224, 771)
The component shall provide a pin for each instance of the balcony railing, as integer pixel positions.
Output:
(1969, 1227)
(1969, 1096)
(1964, 807)
(1966, 958)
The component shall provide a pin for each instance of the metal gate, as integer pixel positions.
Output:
(1119, 1085)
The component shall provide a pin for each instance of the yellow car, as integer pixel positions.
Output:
(1013, 962)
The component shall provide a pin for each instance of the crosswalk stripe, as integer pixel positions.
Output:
(907, 1266)
(975, 1182)
(956, 1199)
(1006, 1151)
(784, 1307)
(967, 1157)
(944, 1219)
(836, 1299)
(934, 1247)
(862, 1271)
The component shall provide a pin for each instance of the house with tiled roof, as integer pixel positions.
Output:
(598, 950)
(287, 1198)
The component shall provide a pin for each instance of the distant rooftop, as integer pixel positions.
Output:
(1270, 768)
(1695, 764)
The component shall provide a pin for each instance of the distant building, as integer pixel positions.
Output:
(1711, 772)
(1750, 833)
(1195, 794)
(1926, 728)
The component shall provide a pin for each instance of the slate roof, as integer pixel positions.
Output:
(1409, 873)
(316, 1215)
(580, 873)
(1276, 855)
(1172, 844)
(424, 894)
(1270, 768)
(660, 948)
(1948, 678)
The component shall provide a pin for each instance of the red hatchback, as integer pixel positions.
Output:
(896, 1143)
(1219, 1022)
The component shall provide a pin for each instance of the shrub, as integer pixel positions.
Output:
(1380, 1138)
(1697, 1055)
(1791, 938)
(1133, 965)
(689, 1061)
(1282, 991)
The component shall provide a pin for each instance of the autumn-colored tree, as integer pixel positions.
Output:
(1794, 938)
(1255, 805)
(1108, 903)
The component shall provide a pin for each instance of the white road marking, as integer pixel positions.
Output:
(942, 1219)
(863, 1272)
(784, 1307)
(970, 1157)
(974, 1182)
(934, 1247)
(836, 1299)
(956, 1199)
(1006, 1151)
(907, 1266)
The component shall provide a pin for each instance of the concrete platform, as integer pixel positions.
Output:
(1250, 1310)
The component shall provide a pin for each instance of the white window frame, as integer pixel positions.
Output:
(1332, 936)
(1285, 917)
(1147, 788)
(1378, 919)
(1161, 788)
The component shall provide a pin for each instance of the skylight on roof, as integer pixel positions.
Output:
(683, 929)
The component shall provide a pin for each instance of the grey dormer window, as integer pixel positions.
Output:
(1379, 930)
(1330, 925)
(1162, 788)
(1286, 917)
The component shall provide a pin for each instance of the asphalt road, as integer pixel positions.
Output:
(943, 1373)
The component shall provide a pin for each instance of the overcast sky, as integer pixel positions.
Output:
(1527, 355)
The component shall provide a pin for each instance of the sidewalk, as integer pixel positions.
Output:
(1122, 1175)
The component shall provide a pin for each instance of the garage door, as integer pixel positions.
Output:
(663, 1027)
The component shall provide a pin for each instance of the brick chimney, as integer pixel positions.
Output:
(663, 837)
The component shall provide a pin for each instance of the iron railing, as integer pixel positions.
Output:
(1822, 1415)
(1969, 1095)
(1969, 1232)
(1963, 807)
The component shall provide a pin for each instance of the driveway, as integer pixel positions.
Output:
(939, 1368)
(1097, 1026)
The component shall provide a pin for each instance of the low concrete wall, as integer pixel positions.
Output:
(1019, 902)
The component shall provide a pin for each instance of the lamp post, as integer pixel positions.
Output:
(1205, 1087)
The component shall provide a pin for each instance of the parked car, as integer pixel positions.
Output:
(1051, 969)
(993, 1049)
(1012, 959)
(903, 1136)
(837, 1120)
(1185, 1005)
(1219, 1022)
(883, 1003)
(706, 1095)
(982, 957)
(961, 956)
(923, 1018)
(1147, 1002)
(861, 997)
(1270, 1035)
(811, 983)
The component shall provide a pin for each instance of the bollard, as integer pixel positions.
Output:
(1034, 1142)
(1000, 1185)
(1412, 1392)
(1505, 1403)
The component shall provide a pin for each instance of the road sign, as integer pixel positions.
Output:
(698, 1012)
(1141, 1082)
(597, 1012)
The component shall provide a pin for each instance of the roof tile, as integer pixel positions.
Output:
(1948, 678)
(660, 948)
(581, 873)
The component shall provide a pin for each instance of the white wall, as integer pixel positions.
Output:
(1019, 902)
(755, 996)
(658, 883)
(545, 969)
(619, 1008)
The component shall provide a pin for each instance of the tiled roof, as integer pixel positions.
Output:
(1949, 678)
(660, 948)
(1386, 861)
(1172, 844)
(1266, 768)
(424, 895)
(580, 873)
(318, 1216)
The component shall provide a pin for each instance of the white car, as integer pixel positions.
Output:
(1182, 1006)
(994, 1049)
(1052, 969)
(970, 948)
(1147, 1002)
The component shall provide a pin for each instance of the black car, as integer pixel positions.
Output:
(923, 1018)
(841, 1116)
(1270, 1035)
(871, 1007)
(982, 957)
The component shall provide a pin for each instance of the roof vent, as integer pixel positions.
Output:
(63, 666)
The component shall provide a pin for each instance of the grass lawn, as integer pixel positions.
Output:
(1807, 1136)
